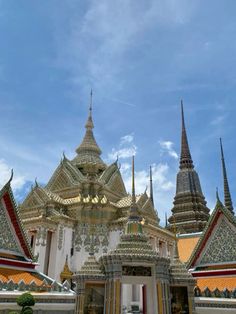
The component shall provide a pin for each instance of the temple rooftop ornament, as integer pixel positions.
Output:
(66, 274)
(190, 210)
(88, 151)
(227, 196)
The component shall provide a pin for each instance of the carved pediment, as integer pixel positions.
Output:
(60, 182)
(33, 199)
(116, 184)
(221, 246)
(65, 176)
(7, 237)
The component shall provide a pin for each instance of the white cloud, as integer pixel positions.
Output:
(127, 139)
(5, 173)
(163, 177)
(99, 37)
(163, 185)
(160, 174)
(167, 147)
(126, 148)
(218, 120)
(122, 153)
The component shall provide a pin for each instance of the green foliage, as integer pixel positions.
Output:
(25, 300)
(27, 310)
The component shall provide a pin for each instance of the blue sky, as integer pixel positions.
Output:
(140, 58)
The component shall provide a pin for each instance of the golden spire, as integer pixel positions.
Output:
(134, 220)
(66, 273)
(88, 151)
(133, 207)
(133, 215)
(89, 124)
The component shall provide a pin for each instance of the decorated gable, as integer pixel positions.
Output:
(221, 247)
(12, 236)
(218, 241)
(34, 199)
(116, 184)
(65, 176)
(8, 241)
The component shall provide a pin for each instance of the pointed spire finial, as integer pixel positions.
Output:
(36, 182)
(91, 102)
(217, 194)
(227, 195)
(11, 177)
(166, 221)
(185, 157)
(89, 151)
(64, 155)
(133, 215)
(117, 158)
(134, 224)
(89, 124)
(133, 183)
(151, 187)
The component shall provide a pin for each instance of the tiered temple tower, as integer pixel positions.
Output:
(190, 212)
(227, 196)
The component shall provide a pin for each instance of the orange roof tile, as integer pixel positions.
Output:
(186, 247)
(217, 282)
(16, 276)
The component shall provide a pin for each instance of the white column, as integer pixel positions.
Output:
(40, 247)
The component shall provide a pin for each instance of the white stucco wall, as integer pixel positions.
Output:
(57, 254)
(114, 239)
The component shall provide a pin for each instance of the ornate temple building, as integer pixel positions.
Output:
(85, 200)
(84, 228)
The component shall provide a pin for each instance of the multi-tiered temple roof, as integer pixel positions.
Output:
(84, 190)
(190, 210)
